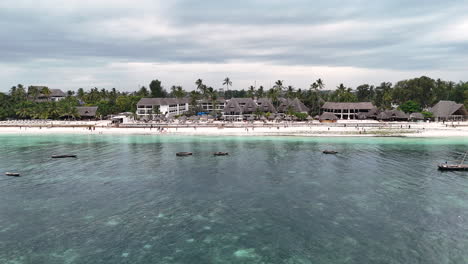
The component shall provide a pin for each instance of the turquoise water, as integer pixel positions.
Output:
(129, 199)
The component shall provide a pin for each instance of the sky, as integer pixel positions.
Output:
(125, 44)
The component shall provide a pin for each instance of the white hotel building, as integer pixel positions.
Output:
(149, 107)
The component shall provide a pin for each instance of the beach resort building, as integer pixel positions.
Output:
(449, 111)
(54, 96)
(210, 106)
(348, 110)
(392, 115)
(87, 112)
(294, 105)
(150, 107)
(242, 108)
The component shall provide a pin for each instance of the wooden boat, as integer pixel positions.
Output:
(184, 154)
(329, 152)
(14, 174)
(454, 167)
(220, 153)
(63, 156)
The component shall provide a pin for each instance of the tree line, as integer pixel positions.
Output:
(412, 95)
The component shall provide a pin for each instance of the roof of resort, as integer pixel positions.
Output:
(265, 105)
(447, 108)
(163, 101)
(416, 116)
(249, 105)
(392, 114)
(295, 104)
(328, 116)
(87, 111)
(360, 105)
(232, 107)
(57, 93)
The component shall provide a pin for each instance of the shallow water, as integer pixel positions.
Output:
(129, 199)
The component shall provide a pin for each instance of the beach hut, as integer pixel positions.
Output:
(328, 118)
(393, 115)
(416, 117)
(87, 112)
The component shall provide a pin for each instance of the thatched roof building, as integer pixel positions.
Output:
(393, 115)
(265, 105)
(233, 108)
(87, 111)
(328, 117)
(416, 116)
(294, 104)
(449, 110)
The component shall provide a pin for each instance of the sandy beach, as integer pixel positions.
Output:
(315, 129)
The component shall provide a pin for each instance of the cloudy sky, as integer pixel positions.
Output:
(127, 43)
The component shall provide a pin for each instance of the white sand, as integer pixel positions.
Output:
(353, 128)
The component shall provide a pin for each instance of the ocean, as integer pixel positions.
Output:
(129, 199)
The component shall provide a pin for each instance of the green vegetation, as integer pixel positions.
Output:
(410, 107)
(413, 95)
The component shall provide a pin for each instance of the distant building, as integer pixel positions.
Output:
(210, 106)
(87, 112)
(328, 118)
(294, 105)
(55, 95)
(243, 108)
(449, 111)
(149, 107)
(348, 110)
(393, 115)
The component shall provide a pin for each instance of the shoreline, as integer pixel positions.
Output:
(348, 129)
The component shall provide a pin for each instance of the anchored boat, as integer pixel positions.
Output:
(454, 167)
(183, 154)
(329, 152)
(63, 156)
(220, 153)
(14, 174)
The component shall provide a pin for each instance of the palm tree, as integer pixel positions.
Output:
(251, 92)
(213, 96)
(227, 82)
(194, 97)
(290, 92)
(199, 83)
(278, 85)
(177, 91)
(274, 94)
(260, 92)
(33, 91)
(45, 91)
(320, 83)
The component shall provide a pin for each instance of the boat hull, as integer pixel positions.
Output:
(448, 167)
(63, 156)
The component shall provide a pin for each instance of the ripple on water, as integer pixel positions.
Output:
(274, 200)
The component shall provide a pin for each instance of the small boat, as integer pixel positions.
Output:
(14, 174)
(329, 152)
(220, 153)
(63, 156)
(184, 154)
(454, 167)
